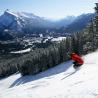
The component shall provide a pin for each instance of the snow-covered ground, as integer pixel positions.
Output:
(58, 39)
(61, 81)
(22, 51)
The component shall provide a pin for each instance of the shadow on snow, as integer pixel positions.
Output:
(52, 71)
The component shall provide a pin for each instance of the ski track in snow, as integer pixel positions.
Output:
(62, 81)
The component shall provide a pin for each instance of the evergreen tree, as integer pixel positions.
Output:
(96, 8)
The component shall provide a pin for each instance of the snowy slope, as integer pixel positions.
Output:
(57, 82)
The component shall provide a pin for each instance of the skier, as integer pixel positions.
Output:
(77, 60)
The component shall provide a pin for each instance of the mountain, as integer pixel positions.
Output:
(22, 22)
(79, 23)
(19, 21)
(6, 35)
(61, 81)
(65, 21)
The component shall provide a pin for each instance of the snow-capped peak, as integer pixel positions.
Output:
(7, 12)
(27, 15)
(20, 14)
(17, 21)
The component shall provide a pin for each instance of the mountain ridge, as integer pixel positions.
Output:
(28, 22)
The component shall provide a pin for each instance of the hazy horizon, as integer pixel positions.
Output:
(50, 9)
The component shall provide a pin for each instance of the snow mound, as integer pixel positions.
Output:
(62, 81)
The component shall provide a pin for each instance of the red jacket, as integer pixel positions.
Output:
(77, 58)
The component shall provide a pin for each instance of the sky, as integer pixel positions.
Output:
(51, 9)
